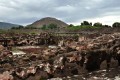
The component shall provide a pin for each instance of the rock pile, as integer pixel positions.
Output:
(69, 58)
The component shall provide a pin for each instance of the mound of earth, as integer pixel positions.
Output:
(46, 21)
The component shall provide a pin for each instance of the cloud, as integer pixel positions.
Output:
(66, 8)
(70, 11)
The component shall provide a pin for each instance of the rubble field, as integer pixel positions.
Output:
(43, 56)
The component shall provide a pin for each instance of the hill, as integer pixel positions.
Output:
(47, 21)
(4, 25)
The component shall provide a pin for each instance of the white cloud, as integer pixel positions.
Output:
(87, 7)
(66, 8)
(97, 0)
(70, 11)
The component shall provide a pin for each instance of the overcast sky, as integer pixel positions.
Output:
(71, 11)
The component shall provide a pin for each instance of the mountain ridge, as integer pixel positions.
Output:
(6, 25)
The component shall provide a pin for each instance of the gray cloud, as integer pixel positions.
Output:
(70, 11)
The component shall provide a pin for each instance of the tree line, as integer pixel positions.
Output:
(97, 24)
(84, 24)
(44, 27)
(88, 25)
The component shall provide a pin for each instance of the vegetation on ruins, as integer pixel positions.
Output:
(19, 27)
(89, 25)
(50, 26)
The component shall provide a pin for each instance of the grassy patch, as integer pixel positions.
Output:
(82, 27)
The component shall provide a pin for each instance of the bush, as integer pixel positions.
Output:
(116, 24)
(50, 26)
(97, 24)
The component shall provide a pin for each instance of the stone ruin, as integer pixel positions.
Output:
(67, 57)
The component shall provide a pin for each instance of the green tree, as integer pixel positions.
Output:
(44, 27)
(106, 26)
(20, 27)
(13, 28)
(71, 25)
(116, 24)
(97, 24)
(52, 26)
(91, 23)
(85, 23)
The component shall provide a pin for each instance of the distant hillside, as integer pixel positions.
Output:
(47, 21)
(4, 25)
